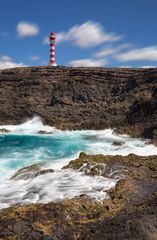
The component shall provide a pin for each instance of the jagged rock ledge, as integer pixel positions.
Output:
(87, 98)
(129, 213)
(82, 98)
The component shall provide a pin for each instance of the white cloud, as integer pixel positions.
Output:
(148, 66)
(88, 63)
(46, 40)
(86, 35)
(109, 51)
(5, 58)
(124, 66)
(26, 29)
(4, 65)
(106, 52)
(6, 62)
(34, 58)
(147, 53)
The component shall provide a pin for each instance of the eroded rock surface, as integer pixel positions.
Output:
(130, 212)
(82, 98)
(31, 171)
(87, 98)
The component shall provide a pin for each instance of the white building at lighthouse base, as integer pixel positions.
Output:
(53, 64)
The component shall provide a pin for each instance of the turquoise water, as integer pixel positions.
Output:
(23, 146)
(20, 150)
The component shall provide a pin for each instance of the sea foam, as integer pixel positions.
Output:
(55, 186)
(31, 126)
(24, 146)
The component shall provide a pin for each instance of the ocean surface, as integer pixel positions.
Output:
(24, 146)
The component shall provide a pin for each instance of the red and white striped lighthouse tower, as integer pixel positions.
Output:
(52, 40)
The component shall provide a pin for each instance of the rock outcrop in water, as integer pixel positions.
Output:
(82, 98)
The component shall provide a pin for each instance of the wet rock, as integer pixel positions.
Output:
(129, 213)
(106, 166)
(42, 172)
(31, 171)
(83, 155)
(26, 172)
(118, 143)
(4, 130)
(87, 98)
(44, 132)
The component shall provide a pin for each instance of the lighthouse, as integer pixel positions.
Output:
(52, 40)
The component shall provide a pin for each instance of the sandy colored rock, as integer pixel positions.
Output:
(129, 213)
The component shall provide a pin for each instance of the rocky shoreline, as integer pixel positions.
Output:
(82, 98)
(87, 98)
(130, 212)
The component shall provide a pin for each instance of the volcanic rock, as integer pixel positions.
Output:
(118, 143)
(31, 171)
(129, 213)
(42, 172)
(82, 98)
(44, 132)
(27, 172)
(87, 98)
(4, 130)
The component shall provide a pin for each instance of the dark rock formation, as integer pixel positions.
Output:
(31, 171)
(4, 130)
(82, 98)
(87, 98)
(130, 213)
(44, 132)
(44, 171)
(27, 172)
(118, 143)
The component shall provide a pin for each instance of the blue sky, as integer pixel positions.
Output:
(89, 33)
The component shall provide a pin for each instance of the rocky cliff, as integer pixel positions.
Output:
(82, 98)
(87, 98)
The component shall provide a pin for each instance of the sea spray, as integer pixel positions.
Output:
(24, 146)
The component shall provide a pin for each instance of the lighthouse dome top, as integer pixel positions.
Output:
(52, 33)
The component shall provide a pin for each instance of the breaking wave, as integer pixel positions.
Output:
(52, 149)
